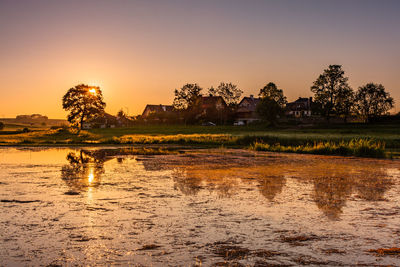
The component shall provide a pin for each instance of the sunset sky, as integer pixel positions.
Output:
(138, 52)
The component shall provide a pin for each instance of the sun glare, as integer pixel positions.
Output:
(92, 91)
(91, 177)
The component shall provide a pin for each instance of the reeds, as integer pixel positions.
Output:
(354, 147)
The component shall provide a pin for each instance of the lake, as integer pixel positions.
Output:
(221, 207)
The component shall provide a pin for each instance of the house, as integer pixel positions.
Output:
(152, 109)
(246, 111)
(106, 120)
(299, 108)
(213, 109)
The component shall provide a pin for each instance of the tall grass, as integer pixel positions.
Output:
(354, 147)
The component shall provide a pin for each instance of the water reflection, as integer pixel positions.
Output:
(84, 170)
(334, 180)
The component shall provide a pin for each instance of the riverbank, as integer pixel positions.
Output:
(365, 140)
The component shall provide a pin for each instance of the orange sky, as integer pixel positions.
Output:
(138, 52)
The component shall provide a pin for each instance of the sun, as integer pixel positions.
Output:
(92, 91)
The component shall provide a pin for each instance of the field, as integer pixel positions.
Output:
(388, 136)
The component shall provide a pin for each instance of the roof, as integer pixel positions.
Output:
(209, 101)
(248, 104)
(302, 99)
(303, 103)
(157, 108)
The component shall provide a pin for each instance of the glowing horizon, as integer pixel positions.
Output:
(138, 52)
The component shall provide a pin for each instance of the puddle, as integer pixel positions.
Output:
(103, 206)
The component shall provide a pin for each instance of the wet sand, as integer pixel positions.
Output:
(102, 206)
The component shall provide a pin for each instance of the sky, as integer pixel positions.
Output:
(138, 52)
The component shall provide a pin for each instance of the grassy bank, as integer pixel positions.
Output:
(317, 140)
(355, 147)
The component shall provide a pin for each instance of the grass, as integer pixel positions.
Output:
(354, 147)
(336, 139)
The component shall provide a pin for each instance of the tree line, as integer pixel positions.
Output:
(333, 97)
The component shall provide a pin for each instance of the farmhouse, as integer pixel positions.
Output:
(213, 109)
(300, 108)
(153, 109)
(246, 111)
(104, 121)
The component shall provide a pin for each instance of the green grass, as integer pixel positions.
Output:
(354, 147)
(227, 136)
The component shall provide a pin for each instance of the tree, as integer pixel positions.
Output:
(121, 114)
(330, 89)
(83, 102)
(345, 102)
(272, 103)
(228, 91)
(269, 110)
(187, 101)
(272, 92)
(372, 100)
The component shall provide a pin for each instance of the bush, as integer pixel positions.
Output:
(25, 130)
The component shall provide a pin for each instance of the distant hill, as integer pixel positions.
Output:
(33, 121)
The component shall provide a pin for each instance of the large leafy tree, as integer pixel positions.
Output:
(372, 100)
(83, 102)
(228, 91)
(187, 96)
(272, 92)
(272, 103)
(269, 110)
(187, 101)
(330, 89)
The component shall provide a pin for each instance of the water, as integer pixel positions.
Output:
(101, 206)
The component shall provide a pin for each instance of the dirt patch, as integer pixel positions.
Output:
(230, 252)
(386, 251)
(149, 247)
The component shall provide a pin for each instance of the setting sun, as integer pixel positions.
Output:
(92, 91)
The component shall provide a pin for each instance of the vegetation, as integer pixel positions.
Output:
(83, 102)
(272, 92)
(372, 101)
(1, 126)
(332, 93)
(354, 147)
(272, 103)
(216, 136)
(187, 101)
(228, 91)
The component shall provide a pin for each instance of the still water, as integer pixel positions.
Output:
(102, 206)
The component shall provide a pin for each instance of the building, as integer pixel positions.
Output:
(246, 112)
(213, 109)
(300, 108)
(152, 109)
(104, 121)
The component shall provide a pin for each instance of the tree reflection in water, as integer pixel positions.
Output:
(334, 180)
(84, 170)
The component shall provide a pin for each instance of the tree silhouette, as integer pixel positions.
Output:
(272, 92)
(187, 100)
(330, 89)
(372, 100)
(272, 103)
(83, 102)
(228, 91)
